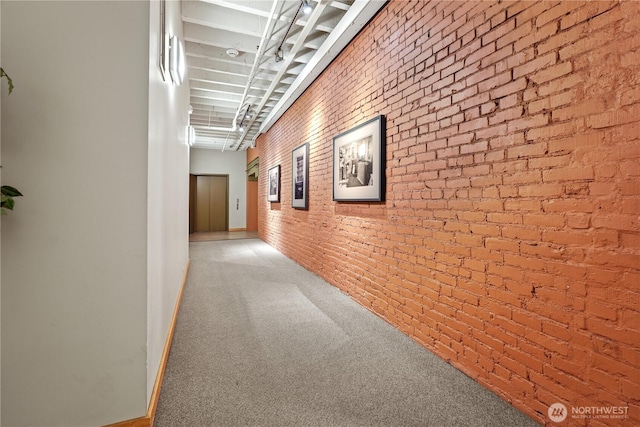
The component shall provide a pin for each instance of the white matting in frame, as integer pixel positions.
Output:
(358, 162)
(273, 187)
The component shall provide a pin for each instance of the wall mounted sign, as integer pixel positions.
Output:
(358, 162)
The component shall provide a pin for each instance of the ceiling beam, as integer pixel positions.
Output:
(315, 15)
(352, 22)
(220, 38)
(235, 21)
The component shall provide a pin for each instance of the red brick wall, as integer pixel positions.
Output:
(252, 194)
(509, 240)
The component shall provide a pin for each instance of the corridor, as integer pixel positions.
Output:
(260, 341)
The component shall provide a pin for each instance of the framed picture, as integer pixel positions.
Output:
(273, 191)
(300, 176)
(358, 162)
(163, 36)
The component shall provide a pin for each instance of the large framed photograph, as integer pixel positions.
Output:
(358, 162)
(273, 194)
(300, 176)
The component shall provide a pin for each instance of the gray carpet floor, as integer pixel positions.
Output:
(260, 341)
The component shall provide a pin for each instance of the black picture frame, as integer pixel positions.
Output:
(163, 37)
(300, 177)
(273, 184)
(359, 162)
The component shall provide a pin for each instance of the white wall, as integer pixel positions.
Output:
(232, 163)
(168, 215)
(76, 141)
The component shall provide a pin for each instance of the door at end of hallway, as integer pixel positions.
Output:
(211, 203)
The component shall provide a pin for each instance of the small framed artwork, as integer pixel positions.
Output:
(273, 194)
(300, 176)
(359, 162)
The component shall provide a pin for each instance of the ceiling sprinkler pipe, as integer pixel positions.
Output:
(261, 49)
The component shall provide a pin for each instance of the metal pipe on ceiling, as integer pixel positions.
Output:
(276, 9)
(315, 16)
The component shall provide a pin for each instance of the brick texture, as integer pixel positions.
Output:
(509, 241)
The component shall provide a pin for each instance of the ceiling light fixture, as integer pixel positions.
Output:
(246, 115)
(232, 52)
(306, 7)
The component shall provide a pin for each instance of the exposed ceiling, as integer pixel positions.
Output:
(238, 86)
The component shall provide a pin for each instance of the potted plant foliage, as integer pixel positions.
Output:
(7, 192)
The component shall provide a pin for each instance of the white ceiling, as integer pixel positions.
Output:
(252, 89)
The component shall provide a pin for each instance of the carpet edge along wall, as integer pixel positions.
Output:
(509, 241)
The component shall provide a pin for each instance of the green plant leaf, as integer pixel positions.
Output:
(8, 203)
(9, 81)
(10, 191)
